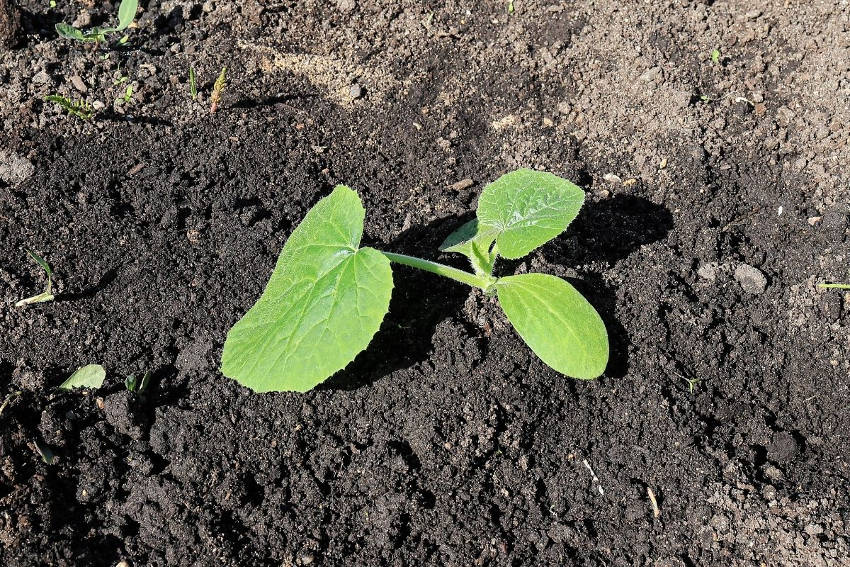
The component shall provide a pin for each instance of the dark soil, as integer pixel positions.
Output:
(446, 442)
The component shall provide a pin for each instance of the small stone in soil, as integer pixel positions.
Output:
(751, 279)
(356, 91)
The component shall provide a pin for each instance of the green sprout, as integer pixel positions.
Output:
(127, 96)
(47, 294)
(193, 84)
(218, 87)
(126, 14)
(80, 108)
(715, 56)
(834, 286)
(136, 385)
(327, 296)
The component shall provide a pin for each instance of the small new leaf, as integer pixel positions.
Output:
(526, 209)
(323, 304)
(89, 376)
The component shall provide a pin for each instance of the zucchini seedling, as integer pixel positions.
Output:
(328, 295)
(47, 294)
(126, 14)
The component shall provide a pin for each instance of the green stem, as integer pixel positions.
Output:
(481, 282)
(834, 285)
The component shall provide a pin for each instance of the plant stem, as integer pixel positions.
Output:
(834, 285)
(481, 282)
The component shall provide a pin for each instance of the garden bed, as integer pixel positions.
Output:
(716, 201)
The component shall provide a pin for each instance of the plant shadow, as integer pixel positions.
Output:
(605, 232)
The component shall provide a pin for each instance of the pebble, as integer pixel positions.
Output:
(356, 91)
(78, 83)
(462, 184)
(708, 271)
(41, 78)
(345, 6)
(15, 169)
(751, 279)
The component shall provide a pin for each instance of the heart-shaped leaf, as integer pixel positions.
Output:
(89, 376)
(559, 325)
(323, 304)
(526, 209)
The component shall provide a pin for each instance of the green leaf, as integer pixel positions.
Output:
(126, 13)
(323, 304)
(89, 376)
(475, 243)
(526, 209)
(69, 32)
(557, 322)
(466, 231)
(41, 262)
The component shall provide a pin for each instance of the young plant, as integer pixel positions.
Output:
(137, 385)
(834, 286)
(328, 295)
(218, 87)
(80, 109)
(47, 294)
(126, 14)
(193, 84)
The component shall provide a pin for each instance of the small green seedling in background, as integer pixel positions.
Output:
(193, 84)
(328, 296)
(127, 96)
(136, 385)
(47, 294)
(8, 400)
(45, 452)
(80, 109)
(126, 14)
(218, 87)
(715, 56)
(88, 376)
(510, 6)
(834, 286)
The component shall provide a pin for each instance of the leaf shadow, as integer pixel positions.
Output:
(420, 301)
(607, 232)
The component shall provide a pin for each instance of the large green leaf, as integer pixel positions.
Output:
(89, 376)
(559, 325)
(526, 209)
(323, 304)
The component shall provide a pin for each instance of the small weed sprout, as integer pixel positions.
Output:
(218, 87)
(136, 385)
(47, 294)
(127, 96)
(81, 109)
(834, 285)
(715, 56)
(193, 84)
(126, 14)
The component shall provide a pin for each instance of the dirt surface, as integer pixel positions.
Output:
(717, 199)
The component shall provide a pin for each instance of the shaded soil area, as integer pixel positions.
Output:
(717, 200)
